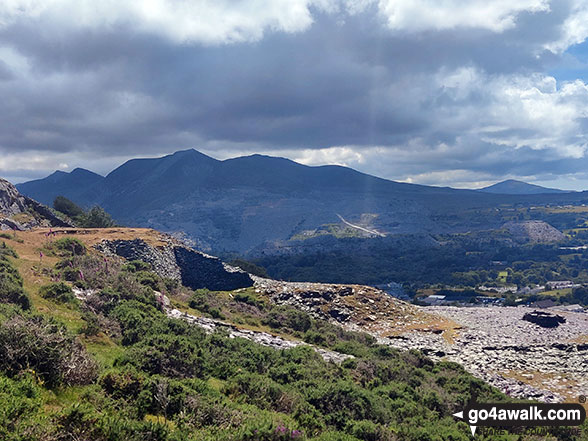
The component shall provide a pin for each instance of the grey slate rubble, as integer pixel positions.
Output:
(263, 338)
(494, 341)
(533, 231)
(176, 261)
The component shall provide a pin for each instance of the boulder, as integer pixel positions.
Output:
(544, 319)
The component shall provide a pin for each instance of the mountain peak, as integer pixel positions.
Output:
(513, 186)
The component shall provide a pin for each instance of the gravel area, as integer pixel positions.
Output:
(518, 357)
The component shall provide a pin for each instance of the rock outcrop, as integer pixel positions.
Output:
(263, 338)
(544, 319)
(175, 261)
(18, 212)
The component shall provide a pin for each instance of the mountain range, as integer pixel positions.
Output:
(240, 204)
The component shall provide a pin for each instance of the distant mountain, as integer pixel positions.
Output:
(73, 185)
(512, 186)
(240, 204)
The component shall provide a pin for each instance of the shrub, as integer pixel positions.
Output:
(136, 265)
(91, 326)
(169, 355)
(249, 299)
(287, 317)
(69, 245)
(45, 347)
(11, 288)
(199, 300)
(60, 292)
(21, 401)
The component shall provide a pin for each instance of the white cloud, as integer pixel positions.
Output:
(203, 21)
(574, 29)
(229, 21)
(422, 15)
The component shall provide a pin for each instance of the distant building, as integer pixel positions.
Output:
(490, 300)
(499, 289)
(542, 304)
(527, 290)
(572, 308)
(434, 300)
(562, 284)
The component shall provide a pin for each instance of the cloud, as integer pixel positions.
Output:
(202, 21)
(422, 91)
(574, 28)
(422, 15)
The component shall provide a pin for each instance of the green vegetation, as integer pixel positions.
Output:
(59, 292)
(67, 207)
(68, 246)
(96, 217)
(464, 260)
(11, 284)
(132, 373)
(249, 267)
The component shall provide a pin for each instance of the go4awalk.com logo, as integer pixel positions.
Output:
(511, 415)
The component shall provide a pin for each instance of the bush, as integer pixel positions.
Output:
(286, 317)
(170, 355)
(21, 402)
(45, 347)
(136, 266)
(11, 288)
(69, 245)
(91, 326)
(60, 292)
(249, 299)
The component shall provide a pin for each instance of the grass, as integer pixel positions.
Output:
(104, 350)
(556, 292)
(12, 236)
(539, 379)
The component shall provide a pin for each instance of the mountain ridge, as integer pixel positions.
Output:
(513, 186)
(238, 204)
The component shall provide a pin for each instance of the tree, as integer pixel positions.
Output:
(67, 207)
(97, 218)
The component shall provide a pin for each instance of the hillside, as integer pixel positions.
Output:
(18, 212)
(512, 186)
(105, 348)
(241, 204)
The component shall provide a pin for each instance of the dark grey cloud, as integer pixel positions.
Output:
(425, 98)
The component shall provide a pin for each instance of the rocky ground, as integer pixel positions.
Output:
(520, 358)
(211, 325)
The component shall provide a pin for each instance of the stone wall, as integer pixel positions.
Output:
(192, 268)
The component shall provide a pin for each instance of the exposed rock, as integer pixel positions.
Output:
(518, 357)
(18, 212)
(175, 261)
(263, 338)
(11, 201)
(534, 231)
(544, 319)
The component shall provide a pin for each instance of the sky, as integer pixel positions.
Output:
(460, 93)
